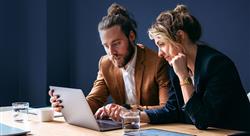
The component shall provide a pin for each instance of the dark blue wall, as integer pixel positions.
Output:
(23, 52)
(56, 42)
(8, 53)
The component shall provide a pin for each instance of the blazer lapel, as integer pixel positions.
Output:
(139, 69)
(197, 71)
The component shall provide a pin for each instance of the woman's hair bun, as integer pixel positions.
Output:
(181, 9)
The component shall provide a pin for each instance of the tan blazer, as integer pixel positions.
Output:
(150, 79)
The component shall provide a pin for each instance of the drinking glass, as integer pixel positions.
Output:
(131, 122)
(20, 111)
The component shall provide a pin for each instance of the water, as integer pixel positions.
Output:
(131, 125)
(20, 112)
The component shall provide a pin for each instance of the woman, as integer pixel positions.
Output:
(205, 88)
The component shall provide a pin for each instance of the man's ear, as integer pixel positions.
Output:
(131, 36)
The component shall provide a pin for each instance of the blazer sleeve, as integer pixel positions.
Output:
(220, 80)
(167, 114)
(163, 82)
(99, 92)
(162, 79)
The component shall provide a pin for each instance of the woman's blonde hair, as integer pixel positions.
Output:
(169, 22)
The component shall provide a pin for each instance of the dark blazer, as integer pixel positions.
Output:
(219, 99)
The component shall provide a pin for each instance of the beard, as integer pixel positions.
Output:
(120, 60)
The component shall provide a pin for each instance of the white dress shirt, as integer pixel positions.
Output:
(129, 80)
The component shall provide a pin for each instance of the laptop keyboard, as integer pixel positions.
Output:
(108, 123)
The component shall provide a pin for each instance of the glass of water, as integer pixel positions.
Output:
(131, 122)
(20, 111)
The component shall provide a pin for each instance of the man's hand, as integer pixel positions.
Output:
(55, 102)
(111, 111)
(102, 113)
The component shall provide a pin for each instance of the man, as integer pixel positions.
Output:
(131, 74)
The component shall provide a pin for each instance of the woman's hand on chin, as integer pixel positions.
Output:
(179, 64)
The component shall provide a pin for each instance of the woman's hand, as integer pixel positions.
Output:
(179, 64)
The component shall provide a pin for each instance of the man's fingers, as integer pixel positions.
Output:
(101, 113)
(58, 109)
(57, 103)
(117, 113)
(106, 110)
(54, 98)
(98, 113)
(51, 92)
(109, 110)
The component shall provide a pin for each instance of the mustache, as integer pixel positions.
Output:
(113, 56)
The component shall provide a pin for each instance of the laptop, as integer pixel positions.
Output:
(77, 111)
(6, 130)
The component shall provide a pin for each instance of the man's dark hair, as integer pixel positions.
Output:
(118, 15)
